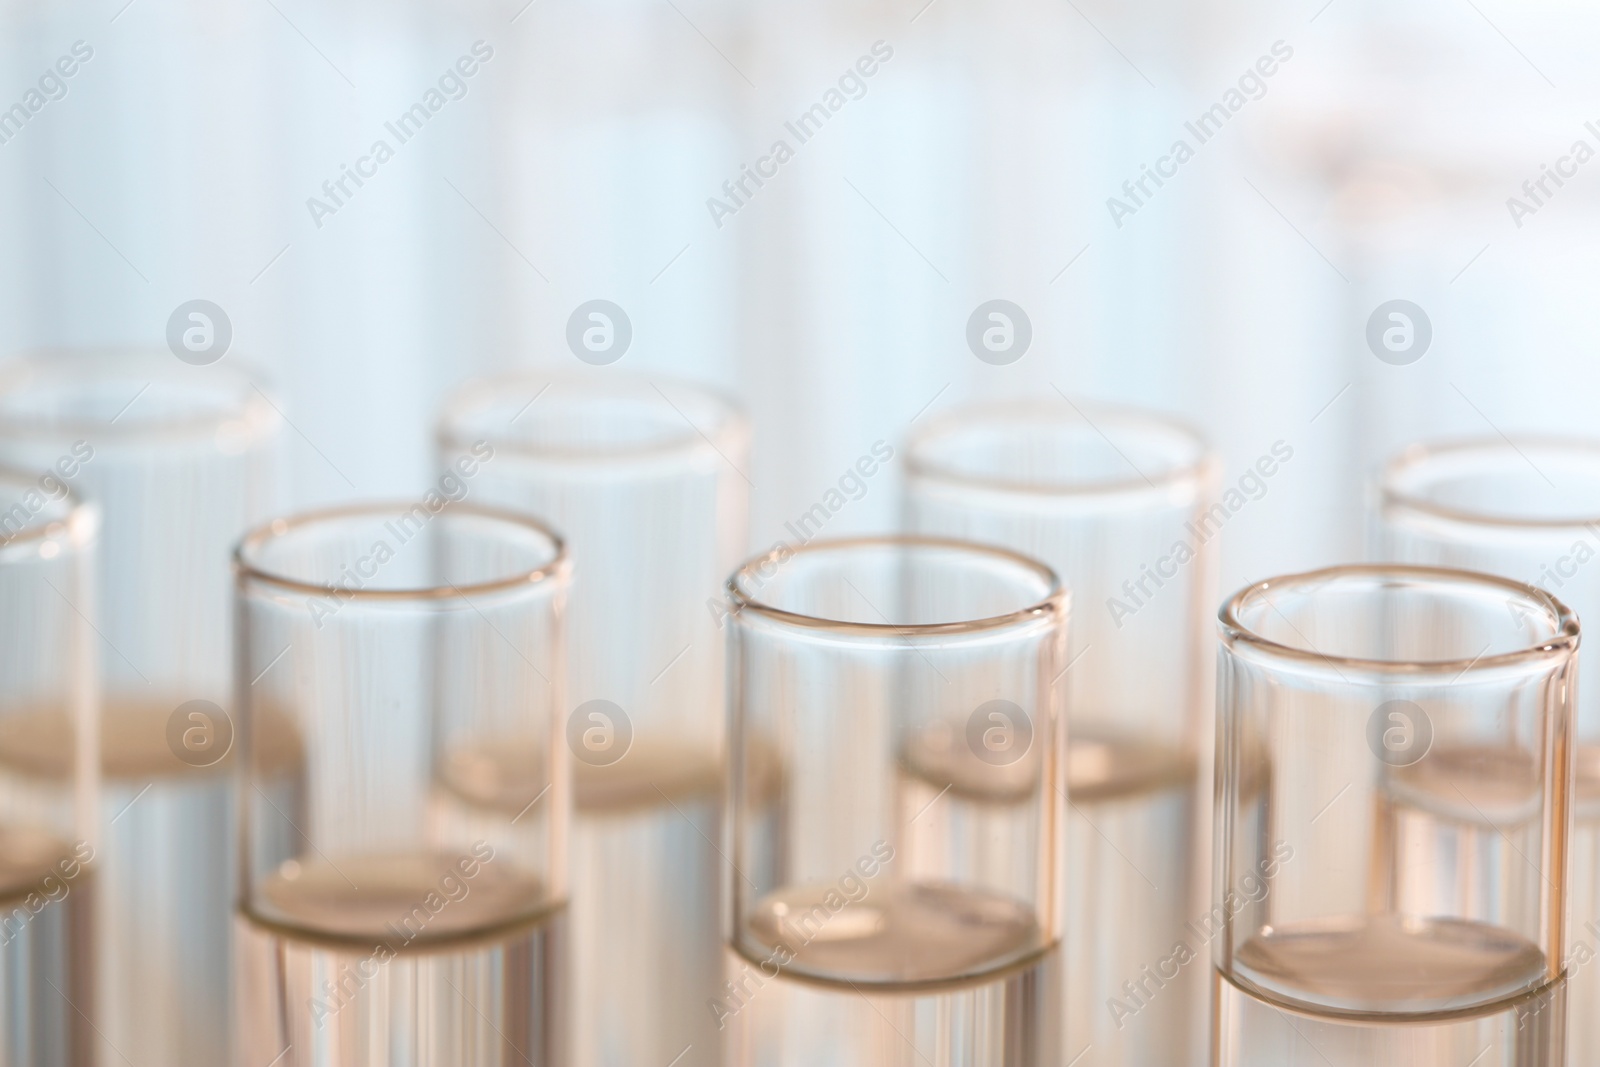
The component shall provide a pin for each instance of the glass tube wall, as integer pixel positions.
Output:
(179, 460)
(1394, 762)
(898, 802)
(49, 771)
(1527, 510)
(1124, 505)
(648, 482)
(404, 782)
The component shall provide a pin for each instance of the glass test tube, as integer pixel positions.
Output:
(1116, 502)
(179, 460)
(1528, 511)
(1394, 763)
(404, 859)
(898, 804)
(49, 771)
(646, 481)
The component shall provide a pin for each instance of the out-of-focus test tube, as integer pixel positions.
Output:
(1394, 764)
(49, 770)
(576, 126)
(179, 460)
(404, 881)
(648, 483)
(1428, 174)
(898, 804)
(1115, 502)
(1527, 509)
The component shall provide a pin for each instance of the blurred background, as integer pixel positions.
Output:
(1317, 230)
(601, 150)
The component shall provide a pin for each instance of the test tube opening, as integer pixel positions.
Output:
(898, 799)
(1394, 759)
(649, 480)
(1124, 504)
(49, 769)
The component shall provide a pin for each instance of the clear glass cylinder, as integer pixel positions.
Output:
(647, 481)
(179, 460)
(898, 797)
(405, 860)
(49, 771)
(1394, 763)
(1123, 505)
(1526, 509)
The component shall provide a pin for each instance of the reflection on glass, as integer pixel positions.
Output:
(179, 460)
(404, 892)
(898, 795)
(647, 481)
(1120, 503)
(1394, 762)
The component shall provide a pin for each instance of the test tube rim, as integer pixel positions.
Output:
(247, 573)
(1198, 471)
(1562, 642)
(1054, 602)
(81, 521)
(1420, 453)
(733, 429)
(17, 373)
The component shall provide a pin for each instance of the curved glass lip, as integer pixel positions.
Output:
(1054, 602)
(246, 571)
(1563, 641)
(78, 513)
(1420, 453)
(734, 424)
(1196, 471)
(18, 372)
